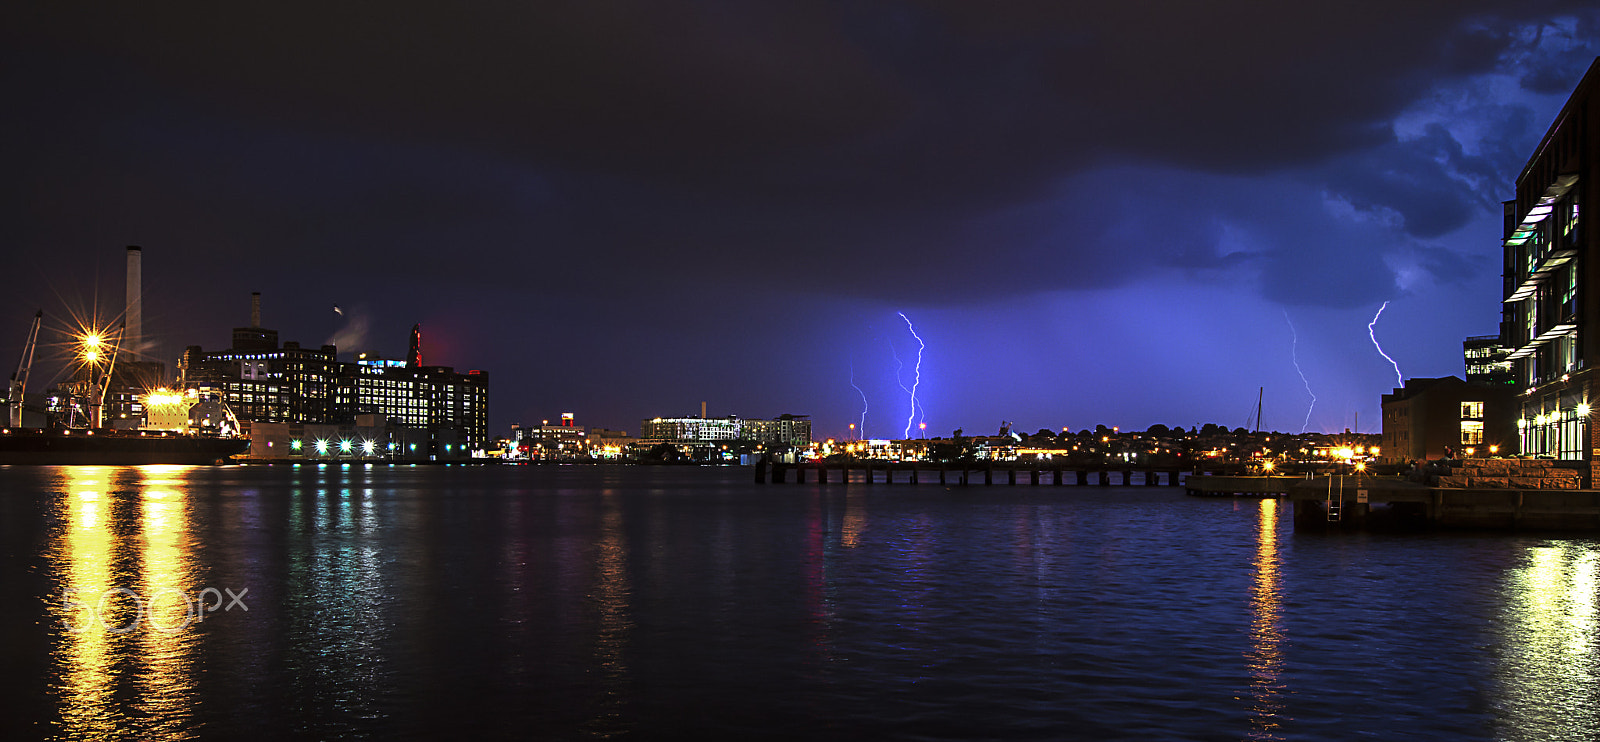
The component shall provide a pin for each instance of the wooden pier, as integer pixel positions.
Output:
(988, 473)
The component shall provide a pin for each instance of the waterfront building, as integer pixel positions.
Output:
(1551, 263)
(1487, 361)
(792, 430)
(610, 444)
(1423, 418)
(555, 442)
(690, 430)
(787, 430)
(266, 384)
(415, 396)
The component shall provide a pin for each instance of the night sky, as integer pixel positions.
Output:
(1119, 213)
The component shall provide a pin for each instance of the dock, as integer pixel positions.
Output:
(984, 472)
(1381, 502)
(1240, 486)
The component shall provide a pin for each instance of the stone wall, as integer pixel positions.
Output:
(1527, 474)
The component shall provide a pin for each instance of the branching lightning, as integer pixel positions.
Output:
(898, 367)
(861, 432)
(1371, 333)
(916, 380)
(1294, 355)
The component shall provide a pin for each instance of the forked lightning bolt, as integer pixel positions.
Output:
(861, 432)
(917, 379)
(1371, 333)
(1294, 355)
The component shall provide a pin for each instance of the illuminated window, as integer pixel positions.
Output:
(1471, 432)
(1472, 411)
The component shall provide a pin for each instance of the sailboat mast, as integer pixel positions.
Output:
(1260, 393)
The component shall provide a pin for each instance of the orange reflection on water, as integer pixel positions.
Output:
(1265, 656)
(167, 641)
(613, 594)
(855, 519)
(88, 673)
(122, 608)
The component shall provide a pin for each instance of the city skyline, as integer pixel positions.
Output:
(1085, 230)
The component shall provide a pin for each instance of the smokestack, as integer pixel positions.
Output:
(702, 410)
(255, 309)
(133, 315)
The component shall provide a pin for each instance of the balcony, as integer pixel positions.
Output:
(1544, 337)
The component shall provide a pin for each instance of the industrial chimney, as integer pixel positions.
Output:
(133, 336)
(255, 309)
(702, 410)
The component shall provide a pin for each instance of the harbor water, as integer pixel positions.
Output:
(321, 602)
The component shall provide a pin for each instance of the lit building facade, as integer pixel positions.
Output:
(1487, 361)
(290, 384)
(792, 430)
(697, 430)
(1549, 319)
(265, 384)
(418, 397)
(555, 442)
(1426, 416)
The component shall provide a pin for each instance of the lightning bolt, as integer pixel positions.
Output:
(1398, 381)
(898, 367)
(1294, 355)
(861, 432)
(917, 380)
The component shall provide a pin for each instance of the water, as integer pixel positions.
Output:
(575, 603)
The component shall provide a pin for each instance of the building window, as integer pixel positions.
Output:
(1471, 432)
(1471, 411)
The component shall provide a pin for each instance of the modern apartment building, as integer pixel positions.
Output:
(1550, 320)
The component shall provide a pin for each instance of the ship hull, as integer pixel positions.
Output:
(109, 448)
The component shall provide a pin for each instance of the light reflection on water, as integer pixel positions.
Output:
(612, 596)
(1550, 678)
(88, 671)
(1265, 656)
(167, 648)
(432, 602)
(129, 577)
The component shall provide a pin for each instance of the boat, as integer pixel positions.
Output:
(105, 447)
(188, 428)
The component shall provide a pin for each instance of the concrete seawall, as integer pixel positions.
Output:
(1366, 502)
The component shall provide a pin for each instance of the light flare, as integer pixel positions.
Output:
(1294, 355)
(1398, 380)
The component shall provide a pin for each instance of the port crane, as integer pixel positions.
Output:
(19, 380)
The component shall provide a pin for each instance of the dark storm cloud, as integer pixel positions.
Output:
(906, 149)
